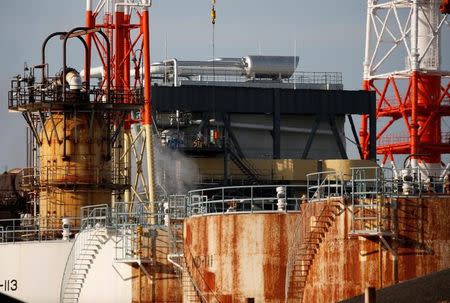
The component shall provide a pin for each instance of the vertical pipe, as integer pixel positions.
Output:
(414, 126)
(363, 134)
(126, 55)
(380, 264)
(367, 43)
(147, 110)
(90, 23)
(126, 164)
(372, 129)
(366, 84)
(119, 37)
(414, 80)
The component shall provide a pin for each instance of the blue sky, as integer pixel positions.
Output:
(329, 35)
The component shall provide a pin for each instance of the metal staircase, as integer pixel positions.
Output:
(244, 166)
(305, 246)
(87, 245)
(191, 292)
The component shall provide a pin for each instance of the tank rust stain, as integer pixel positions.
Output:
(343, 266)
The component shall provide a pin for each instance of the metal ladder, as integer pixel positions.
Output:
(305, 246)
(86, 246)
(191, 292)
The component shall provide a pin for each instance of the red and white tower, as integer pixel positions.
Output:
(126, 24)
(403, 66)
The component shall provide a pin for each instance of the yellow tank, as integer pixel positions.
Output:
(79, 180)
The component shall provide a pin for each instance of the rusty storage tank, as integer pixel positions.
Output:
(317, 254)
(75, 173)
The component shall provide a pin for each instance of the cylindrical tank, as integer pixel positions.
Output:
(239, 257)
(270, 66)
(79, 179)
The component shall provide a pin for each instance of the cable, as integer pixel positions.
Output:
(213, 22)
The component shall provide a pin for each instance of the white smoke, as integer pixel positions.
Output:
(175, 172)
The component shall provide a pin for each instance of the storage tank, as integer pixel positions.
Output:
(274, 67)
(79, 178)
(315, 247)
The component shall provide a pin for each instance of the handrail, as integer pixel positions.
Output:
(324, 181)
(89, 214)
(69, 264)
(244, 199)
(292, 248)
(34, 228)
(201, 276)
(291, 253)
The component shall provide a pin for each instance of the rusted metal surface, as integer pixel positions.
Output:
(163, 284)
(68, 183)
(350, 264)
(247, 253)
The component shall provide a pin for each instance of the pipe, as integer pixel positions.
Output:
(74, 80)
(222, 66)
(366, 63)
(67, 36)
(270, 128)
(126, 4)
(97, 72)
(169, 258)
(90, 23)
(147, 113)
(44, 45)
(108, 67)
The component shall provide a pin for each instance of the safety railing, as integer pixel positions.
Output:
(372, 194)
(250, 199)
(29, 228)
(84, 241)
(420, 180)
(176, 207)
(323, 185)
(95, 216)
(25, 92)
(316, 78)
(130, 220)
(403, 137)
(236, 76)
(79, 175)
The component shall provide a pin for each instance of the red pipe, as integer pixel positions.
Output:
(90, 23)
(363, 134)
(119, 38)
(147, 108)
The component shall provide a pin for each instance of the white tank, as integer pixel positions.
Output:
(270, 66)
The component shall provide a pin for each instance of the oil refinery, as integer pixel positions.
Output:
(228, 179)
